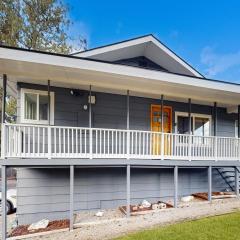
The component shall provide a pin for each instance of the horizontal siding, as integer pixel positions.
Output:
(45, 192)
(110, 111)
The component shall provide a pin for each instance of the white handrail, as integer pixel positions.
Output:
(41, 141)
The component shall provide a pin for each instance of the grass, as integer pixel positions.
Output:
(225, 227)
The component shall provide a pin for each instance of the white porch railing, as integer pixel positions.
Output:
(36, 141)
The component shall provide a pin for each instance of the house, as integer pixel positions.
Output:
(115, 125)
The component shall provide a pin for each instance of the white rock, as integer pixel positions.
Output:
(39, 225)
(187, 199)
(162, 205)
(99, 214)
(146, 204)
(155, 206)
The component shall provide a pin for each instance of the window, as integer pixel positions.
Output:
(201, 124)
(34, 106)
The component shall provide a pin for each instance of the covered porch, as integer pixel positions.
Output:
(185, 135)
(27, 145)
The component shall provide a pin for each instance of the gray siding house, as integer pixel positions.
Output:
(114, 125)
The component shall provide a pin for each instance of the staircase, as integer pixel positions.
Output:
(228, 174)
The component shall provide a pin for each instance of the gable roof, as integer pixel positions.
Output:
(147, 46)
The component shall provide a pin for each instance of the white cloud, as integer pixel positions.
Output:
(218, 63)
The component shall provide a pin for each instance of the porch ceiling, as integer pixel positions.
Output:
(74, 72)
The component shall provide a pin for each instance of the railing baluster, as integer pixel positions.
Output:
(31, 141)
(104, 142)
(72, 147)
(108, 142)
(55, 141)
(112, 141)
(85, 141)
(64, 142)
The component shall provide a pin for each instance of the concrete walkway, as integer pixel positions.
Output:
(115, 228)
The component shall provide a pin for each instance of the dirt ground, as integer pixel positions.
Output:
(122, 226)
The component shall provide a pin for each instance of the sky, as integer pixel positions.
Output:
(204, 33)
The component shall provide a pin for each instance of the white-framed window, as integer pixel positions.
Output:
(35, 107)
(201, 124)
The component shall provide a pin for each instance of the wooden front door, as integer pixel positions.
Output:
(156, 126)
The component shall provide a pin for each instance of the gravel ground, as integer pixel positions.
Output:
(89, 216)
(118, 227)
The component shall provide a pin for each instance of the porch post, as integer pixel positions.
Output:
(176, 186)
(49, 123)
(210, 183)
(128, 109)
(4, 94)
(189, 115)
(238, 121)
(162, 128)
(3, 120)
(128, 133)
(128, 190)
(4, 201)
(90, 107)
(237, 181)
(90, 120)
(49, 103)
(189, 128)
(71, 206)
(215, 119)
(162, 112)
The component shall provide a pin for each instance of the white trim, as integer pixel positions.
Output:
(73, 70)
(236, 128)
(39, 92)
(134, 42)
(194, 115)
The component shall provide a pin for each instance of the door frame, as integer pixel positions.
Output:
(164, 107)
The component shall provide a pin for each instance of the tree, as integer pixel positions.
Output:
(10, 22)
(37, 24)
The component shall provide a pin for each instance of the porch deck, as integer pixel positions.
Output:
(41, 141)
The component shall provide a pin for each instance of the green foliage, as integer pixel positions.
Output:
(214, 228)
(10, 22)
(11, 106)
(37, 24)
